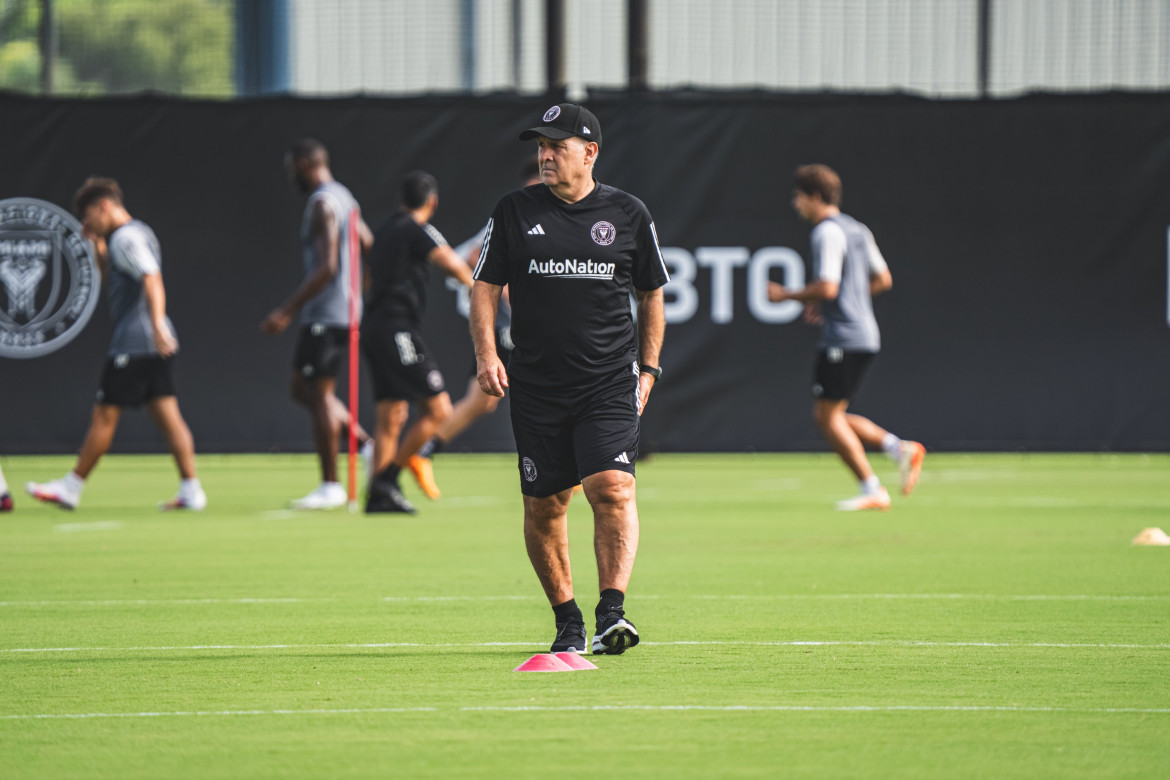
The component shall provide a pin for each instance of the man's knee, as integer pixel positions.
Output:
(541, 512)
(609, 489)
(439, 408)
(298, 390)
(824, 412)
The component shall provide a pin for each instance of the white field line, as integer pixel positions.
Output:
(731, 708)
(75, 528)
(639, 596)
(679, 643)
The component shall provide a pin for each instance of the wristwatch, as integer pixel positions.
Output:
(654, 371)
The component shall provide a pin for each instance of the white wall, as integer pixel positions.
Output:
(928, 47)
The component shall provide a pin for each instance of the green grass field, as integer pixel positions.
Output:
(998, 623)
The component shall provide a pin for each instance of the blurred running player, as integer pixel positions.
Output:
(322, 299)
(406, 245)
(138, 365)
(475, 403)
(848, 270)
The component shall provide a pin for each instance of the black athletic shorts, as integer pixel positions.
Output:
(837, 373)
(132, 381)
(319, 351)
(565, 435)
(400, 364)
(503, 350)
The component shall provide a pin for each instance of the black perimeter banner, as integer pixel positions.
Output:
(1028, 241)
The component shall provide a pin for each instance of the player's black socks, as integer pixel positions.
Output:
(567, 612)
(387, 477)
(433, 446)
(612, 600)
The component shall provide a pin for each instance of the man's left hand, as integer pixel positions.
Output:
(645, 385)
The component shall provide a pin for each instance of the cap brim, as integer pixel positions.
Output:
(548, 132)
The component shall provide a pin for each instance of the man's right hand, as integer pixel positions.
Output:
(276, 321)
(492, 376)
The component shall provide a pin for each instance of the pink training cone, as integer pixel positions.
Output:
(543, 662)
(575, 661)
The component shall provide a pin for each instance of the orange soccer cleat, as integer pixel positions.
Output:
(910, 464)
(424, 475)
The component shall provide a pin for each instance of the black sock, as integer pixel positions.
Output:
(612, 600)
(432, 446)
(387, 477)
(567, 612)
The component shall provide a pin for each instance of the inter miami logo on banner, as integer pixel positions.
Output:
(49, 284)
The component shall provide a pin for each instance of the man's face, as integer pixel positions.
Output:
(296, 170)
(562, 161)
(805, 205)
(96, 219)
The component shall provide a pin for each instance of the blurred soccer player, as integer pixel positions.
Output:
(848, 270)
(406, 245)
(138, 365)
(322, 299)
(572, 250)
(475, 403)
(5, 496)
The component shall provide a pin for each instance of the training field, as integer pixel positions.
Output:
(997, 623)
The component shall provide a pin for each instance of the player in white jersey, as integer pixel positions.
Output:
(322, 299)
(138, 365)
(848, 270)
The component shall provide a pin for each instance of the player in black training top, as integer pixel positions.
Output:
(573, 250)
(405, 247)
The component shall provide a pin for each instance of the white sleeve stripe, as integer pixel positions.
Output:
(658, 249)
(435, 235)
(483, 252)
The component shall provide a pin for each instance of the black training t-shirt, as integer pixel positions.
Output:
(399, 269)
(571, 268)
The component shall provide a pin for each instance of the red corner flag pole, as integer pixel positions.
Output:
(355, 293)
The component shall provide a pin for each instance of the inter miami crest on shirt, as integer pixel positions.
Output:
(603, 233)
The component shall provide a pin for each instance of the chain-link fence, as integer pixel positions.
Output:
(226, 48)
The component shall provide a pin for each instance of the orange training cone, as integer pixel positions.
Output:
(543, 662)
(575, 661)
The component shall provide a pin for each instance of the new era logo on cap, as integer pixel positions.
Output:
(564, 120)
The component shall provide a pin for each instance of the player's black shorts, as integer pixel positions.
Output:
(837, 373)
(132, 381)
(400, 364)
(503, 350)
(565, 435)
(319, 351)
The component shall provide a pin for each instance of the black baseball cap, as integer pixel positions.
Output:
(564, 120)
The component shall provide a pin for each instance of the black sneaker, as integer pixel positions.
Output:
(570, 637)
(388, 499)
(614, 634)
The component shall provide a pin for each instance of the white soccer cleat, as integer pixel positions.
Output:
(193, 502)
(910, 464)
(326, 496)
(55, 492)
(878, 500)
